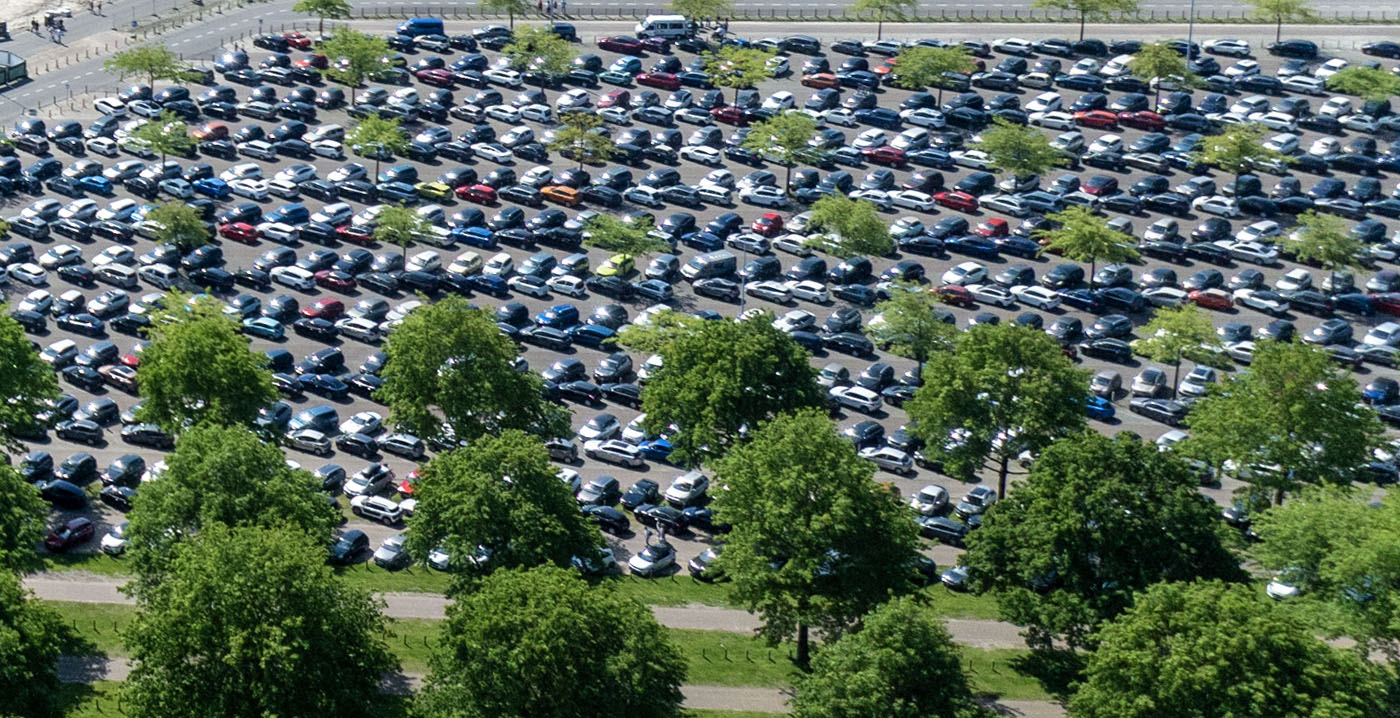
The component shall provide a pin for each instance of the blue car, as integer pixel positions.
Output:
(293, 213)
(264, 327)
(398, 192)
(1083, 83)
(1099, 408)
(212, 187)
(973, 246)
(490, 284)
(592, 335)
(479, 237)
(882, 117)
(559, 316)
(656, 449)
(1019, 247)
(1081, 299)
(96, 184)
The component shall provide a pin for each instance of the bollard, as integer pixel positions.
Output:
(726, 652)
(704, 655)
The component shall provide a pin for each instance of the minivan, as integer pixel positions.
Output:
(711, 264)
(421, 26)
(671, 26)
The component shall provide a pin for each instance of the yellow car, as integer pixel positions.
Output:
(618, 265)
(434, 190)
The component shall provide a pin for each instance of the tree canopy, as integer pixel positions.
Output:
(499, 498)
(154, 62)
(704, 9)
(1097, 520)
(354, 56)
(920, 67)
(509, 7)
(902, 663)
(1083, 236)
(1294, 419)
(251, 622)
(1089, 9)
(400, 225)
(1216, 650)
(846, 227)
(540, 49)
(324, 10)
(634, 239)
(179, 224)
(32, 636)
(816, 542)
(450, 369)
(23, 522)
(1281, 11)
(783, 137)
(1176, 333)
(721, 379)
(1371, 83)
(1326, 239)
(1019, 150)
(26, 382)
(198, 369)
(883, 10)
(222, 476)
(1003, 391)
(168, 135)
(375, 136)
(582, 138)
(739, 68)
(1237, 149)
(911, 322)
(1159, 61)
(543, 643)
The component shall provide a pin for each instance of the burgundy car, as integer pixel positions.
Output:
(662, 80)
(1143, 120)
(325, 308)
(435, 76)
(621, 43)
(333, 279)
(884, 155)
(956, 200)
(75, 532)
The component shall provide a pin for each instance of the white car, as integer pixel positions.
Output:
(1282, 587)
(114, 541)
(1294, 280)
(714, 194)
(29, 273)
(115, 254)
(567, 284)
(332, 149)
(359, 329)
(1046, 102)
(1266, 302)
(278, 232)
(1306, 85)
(965, 274)
(254, 189)
(770, 290)
(1336, 107)
(1036, 80)
(1013, 46)
(913, 199)
(765, 196)
(614, 451)
(858, 398)
(1275, 121)
(974, 159)
(840, 116)
(505, 113)
(1284, 143)
(871, 138)
(652, 560)
(889, 458)
(1216, 205)
(808, 290)
(924, 117)
(60, 255)
(930, 500)
(1228, 46)
(1330, 68)
(1106, 144)
(1053, 120)
(1036, 296)
(494, 152)
(795, 244)
(105, 146)
(1243, 68)
(687, 489)
(992, 294)
(526, 284)
(377, 508)
(293, 278)
(878, 197)
(1387, 334)
(364, 422)
(1256, 252)
(702, 154)
(111, 106)
(509, 78)
(1324, 146)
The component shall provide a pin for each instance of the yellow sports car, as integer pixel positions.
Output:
(618, 265)
(434, 190)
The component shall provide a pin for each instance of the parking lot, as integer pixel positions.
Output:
(239, 255)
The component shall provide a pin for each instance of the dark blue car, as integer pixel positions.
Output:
(973, 246)
(881, 117)
(592, 335)
(490, 284)
(1081, 299)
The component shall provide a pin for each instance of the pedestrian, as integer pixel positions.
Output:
(539, 5)
(99, 7)
(34, 25)
(564, 7)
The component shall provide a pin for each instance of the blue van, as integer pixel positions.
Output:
(416, 26)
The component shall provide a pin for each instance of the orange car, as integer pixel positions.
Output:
(210, 131)
(559, 194)
(820, 80)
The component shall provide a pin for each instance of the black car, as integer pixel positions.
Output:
(349, 547)
(608, 519)
(645, 491)
(1115, 350)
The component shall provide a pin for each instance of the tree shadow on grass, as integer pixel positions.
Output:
(70, 696)
(1057, 670)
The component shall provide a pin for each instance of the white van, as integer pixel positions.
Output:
(1117, 66)
(671, 26)
(162, 276)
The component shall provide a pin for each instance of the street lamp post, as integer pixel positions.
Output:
(1190, 30)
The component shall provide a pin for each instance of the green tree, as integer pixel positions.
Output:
(375, 136)
(920, 66)
(816, 543)
(222, 476)
(1027, 394)
(198, 369)
(168, 135)
(179, 224)
(721, 377)
(540, 49)
(1325, 239)
(354, 57)
(1281, 11)
(1083, 236)
(1340, 551)
(26, 382)
(910, 323)
(1176, 333)
(1089, 9)
(251, 622)
(399, 225)
(23, 522)
(1217, 650)
(847, 227)
(701, 10)
(543, 643)
(1106, 518)
(323, 10)
(1020, 150)
(31, 638)
(902, 663)
(1237, 149)
(1371, 83)
(783, 137)
(1294, 419)
(883, 10)
(740, 68)
(154, 62)
(509, 7)
(451, 370)
(582, 137)
(1158, 61)
(501, 498)
(657, 333)
(615, 236)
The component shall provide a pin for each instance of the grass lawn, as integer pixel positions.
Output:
(1004, 673)
(719, 658)
(730, 714)
(99, 700)
(99, 563)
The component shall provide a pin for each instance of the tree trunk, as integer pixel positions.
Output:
(802, 646)
(1001, 475)
(788, 187)
(321, 27)
(1176, 377)
(1083, 18)
(880, 28)
(512, 20)
(1278, 497)
(1278, 31)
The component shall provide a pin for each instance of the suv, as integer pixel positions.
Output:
(377, 508)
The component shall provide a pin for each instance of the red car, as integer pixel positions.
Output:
(324, 308)
(435, 76)
(297, 40)
(1100, 185)
(210, 131)
(1101, 119)
(1386, 302)
(992, 228)
(769, 225)
(730, 116)
(239, 232)
(884, 155)
(315, 59)
(1217, 299)
(662, 80)
(820, 80)
(956, 296)
(478, 193)
(332, 279)
(615, 98)
(406, 486)
(131, 359)
(355, 235)
(621, 43)
(1143, 120)
(956, 200)
(74, 532)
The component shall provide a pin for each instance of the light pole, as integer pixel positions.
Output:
(1190, 31)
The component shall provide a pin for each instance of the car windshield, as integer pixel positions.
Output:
(659, 551)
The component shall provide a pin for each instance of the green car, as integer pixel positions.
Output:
(613, 77)
(264, 327)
